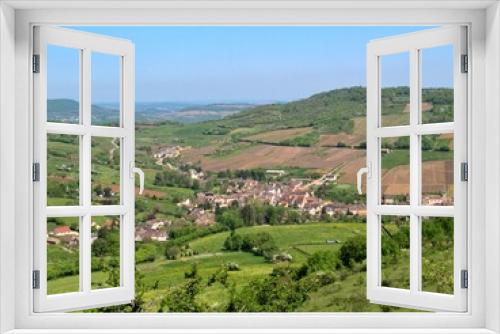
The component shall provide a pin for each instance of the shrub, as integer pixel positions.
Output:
(260, 244)
(325, 260)
(234, 242)
(232, 266)
(173, 252)
(353, 250)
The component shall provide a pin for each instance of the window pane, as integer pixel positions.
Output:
(437, 84)
(395, 251)
(63, 84)
(106, 89)
(437, 169)
(395, 173)
(63, 255)
(105, 252)
(395, 92)
(63, 169)
(105, 171)
(437, 254)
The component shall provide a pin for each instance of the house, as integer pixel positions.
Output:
(158, 235)
(313, 206)
(185, 203)
(275, 172)
(202, 217)
(146, 233)
(53, 241)
(195, 175)
(60, 231)
(168, 152)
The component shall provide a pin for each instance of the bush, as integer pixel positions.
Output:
(325, 260)
(173, 252)
(145, 252)
(278, 292)
(260, 244)
(233, 266)
(353, 250)
(234, 242)
(339, 193)
(172, 178)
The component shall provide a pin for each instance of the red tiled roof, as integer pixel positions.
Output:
(62, 229)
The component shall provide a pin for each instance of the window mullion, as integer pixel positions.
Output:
(85, 174)
(415, 167)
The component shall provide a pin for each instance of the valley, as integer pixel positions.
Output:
(259, 199)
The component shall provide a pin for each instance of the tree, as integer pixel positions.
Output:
(231, 219)
(173, 252)
(353, 250)
(182, 298)
(278, 292)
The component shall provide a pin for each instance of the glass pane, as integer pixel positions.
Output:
(63, 255)
(395, 251)
(105, 252)
(437, 254)
(106, 89)
(395, 173)
(437, 84)
(63, 177)
(63, 84)
(395, 92)
(437, 169)
(105, 170)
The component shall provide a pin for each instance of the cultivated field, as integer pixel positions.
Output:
(270, 156)
(278, 135)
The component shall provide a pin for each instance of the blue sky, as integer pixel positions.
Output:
(228, 64)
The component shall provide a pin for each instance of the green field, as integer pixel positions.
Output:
(346, 293)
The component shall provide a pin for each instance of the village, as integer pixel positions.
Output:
(294, 193)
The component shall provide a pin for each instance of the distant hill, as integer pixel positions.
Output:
(67, 110)
(328, 112)
(334, 111)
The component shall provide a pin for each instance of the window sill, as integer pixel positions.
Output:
(254, 331)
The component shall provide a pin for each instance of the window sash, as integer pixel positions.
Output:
(85, 297)
(414, 297)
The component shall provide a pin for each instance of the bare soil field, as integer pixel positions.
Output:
(355, 138)
(194, 155)
(437, 176)
(269, 156)
(277, 136)
(348, 172)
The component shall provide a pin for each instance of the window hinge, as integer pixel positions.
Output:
(464, 171)
(36, 279)
(36, 63)
(464, 279)
(465, 63)
(36, 172)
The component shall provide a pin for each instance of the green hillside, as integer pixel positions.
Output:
(67, 111)
(334, 111)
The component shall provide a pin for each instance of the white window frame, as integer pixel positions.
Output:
(412, 44)
(85, 44)
(16, 21)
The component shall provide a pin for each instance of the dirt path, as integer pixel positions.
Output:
(115, 147)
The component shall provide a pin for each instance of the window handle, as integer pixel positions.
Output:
(361, 171)
(134, 170)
